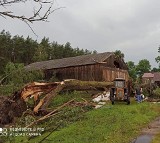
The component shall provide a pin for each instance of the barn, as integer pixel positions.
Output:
(93, 67)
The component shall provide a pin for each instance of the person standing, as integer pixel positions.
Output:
(138, 94)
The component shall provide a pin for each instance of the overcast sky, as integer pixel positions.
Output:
(132, 26)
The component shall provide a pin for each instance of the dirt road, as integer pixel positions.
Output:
(149, 132)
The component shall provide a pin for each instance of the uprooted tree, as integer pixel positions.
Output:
(43, 94)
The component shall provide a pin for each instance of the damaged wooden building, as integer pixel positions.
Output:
(93, 67)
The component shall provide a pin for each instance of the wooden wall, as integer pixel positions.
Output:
(96, 72)
(105, 71)
(86, 72)
(109, 74)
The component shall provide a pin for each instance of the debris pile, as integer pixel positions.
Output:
(105, 96)
(101, 99)
(42, 93)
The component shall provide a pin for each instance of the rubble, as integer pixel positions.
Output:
(102, 97)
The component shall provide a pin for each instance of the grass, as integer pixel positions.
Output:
(64, 97)
(156, 139)
(117, 123)
(110, 124)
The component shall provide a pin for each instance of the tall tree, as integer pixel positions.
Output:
(158, 57)
(155, 70)
(142, 67)
(29, 49)
(68, 50)
(40, 54)
(119, 54)
(46, 47)
(5, 49)
(17, 49)
(132, 70)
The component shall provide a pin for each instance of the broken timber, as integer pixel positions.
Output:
(52, 89)
(42, 93)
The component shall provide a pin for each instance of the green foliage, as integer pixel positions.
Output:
(15, 76)
(155, 69)
(156, 92)
(8, 89)
(132, 70)
(14, 73)
(109, 124)
(5, 48)
(158, 57)
(64, 118)
(145, 92)
(40, 54)
(119, 54)
(17, 49)
(142, 67)
(66, 96)
(16, 52)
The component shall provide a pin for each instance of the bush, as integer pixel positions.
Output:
(156, 92)
(16, 77)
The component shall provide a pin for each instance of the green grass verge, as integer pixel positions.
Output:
(110, 124)
(156, 139)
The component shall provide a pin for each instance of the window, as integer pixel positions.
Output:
(119, 84)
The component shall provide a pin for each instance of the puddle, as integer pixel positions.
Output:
(149, 132)
(143, 139)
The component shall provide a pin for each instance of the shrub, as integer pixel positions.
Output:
(16, 76)
(156, 92)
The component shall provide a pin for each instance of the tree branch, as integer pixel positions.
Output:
(37, 15)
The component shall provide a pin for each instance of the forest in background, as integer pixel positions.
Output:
(17, 51)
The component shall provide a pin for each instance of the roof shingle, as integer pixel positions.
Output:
(148, 75)
(71, 61)
(156, 76)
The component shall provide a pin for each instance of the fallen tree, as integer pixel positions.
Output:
(42, 94)
(71, 85)
(11, 107)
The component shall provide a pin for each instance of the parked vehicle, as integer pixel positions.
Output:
(119, 91)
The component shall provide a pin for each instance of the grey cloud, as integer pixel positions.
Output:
(130, 26)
